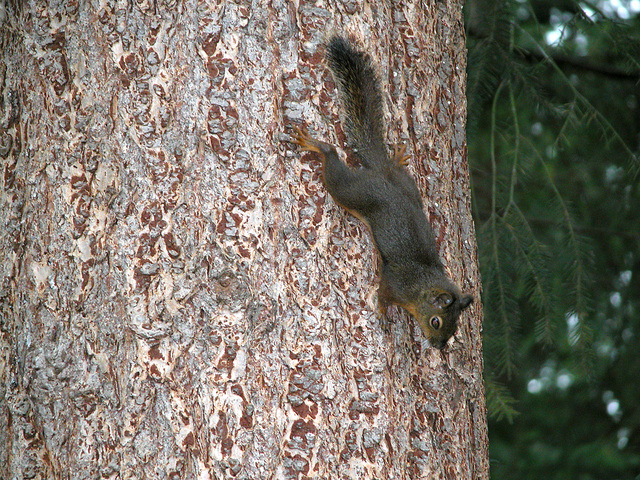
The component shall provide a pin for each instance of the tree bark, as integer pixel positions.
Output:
(179, 296)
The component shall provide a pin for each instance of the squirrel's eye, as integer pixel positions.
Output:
(435, 322)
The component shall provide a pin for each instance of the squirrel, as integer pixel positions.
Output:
(385, 197)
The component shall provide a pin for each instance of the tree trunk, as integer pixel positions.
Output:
(179, 295)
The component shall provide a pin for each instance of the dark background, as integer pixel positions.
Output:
(553, 90)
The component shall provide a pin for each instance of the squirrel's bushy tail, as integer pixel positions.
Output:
(361, 98)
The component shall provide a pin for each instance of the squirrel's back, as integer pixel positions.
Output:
(361, 98)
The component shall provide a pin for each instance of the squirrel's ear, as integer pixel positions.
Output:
(442, 299)
(465, 301)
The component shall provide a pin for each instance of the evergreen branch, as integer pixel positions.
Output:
(581, 230)
(579, 63)
(507, 355)
(578, 268)
(569, 116)
(500, 402)
(490, 57)
(484, 79)
(603, 122)
(514, 167)
(535, 268)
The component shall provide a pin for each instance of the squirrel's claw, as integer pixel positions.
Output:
(400, 154)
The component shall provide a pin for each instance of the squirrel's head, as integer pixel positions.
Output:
(437, 312)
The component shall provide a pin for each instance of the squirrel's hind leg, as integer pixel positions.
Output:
(352, 189)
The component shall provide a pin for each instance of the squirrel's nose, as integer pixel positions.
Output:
(439, 344)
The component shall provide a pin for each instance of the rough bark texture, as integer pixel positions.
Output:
(180, 297)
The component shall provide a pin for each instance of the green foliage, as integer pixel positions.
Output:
(554, 132)
(500, 402)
